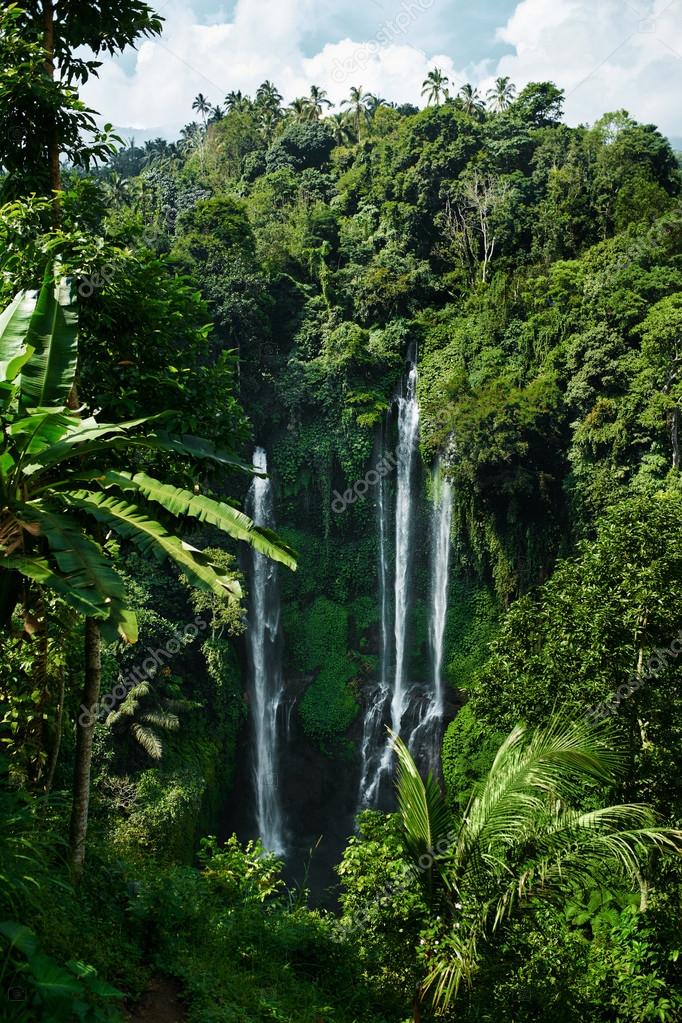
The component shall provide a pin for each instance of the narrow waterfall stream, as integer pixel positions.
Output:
(373, 733)
(266, 683)
(408, 441)
(376, 751)
(426, 736)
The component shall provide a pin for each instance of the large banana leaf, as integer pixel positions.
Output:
(80, 564)
(151, 537)
(195, 447)
(48, 376)
(217, 513)
(41, 430)
(86, 437)
(14, 325)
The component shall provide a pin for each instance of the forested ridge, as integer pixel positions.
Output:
(277, 279)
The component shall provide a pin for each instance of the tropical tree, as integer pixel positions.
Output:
(146, 713)
(342, 128)
(300, 109)
(217, 114)
(59, 496)
(374, 102)
(317, 101)
(237, 101)
(470, 100)
(202, 106)
(435, 87)
(191, 137)
(268, 97)
(358, 107)
(118, 189)
(42, 54)
(501, 96)
(520, 838)
(156, 151)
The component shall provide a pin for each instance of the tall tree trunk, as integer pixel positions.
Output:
(53, 132)
(84, 736)
(675, 436)
(56, 745)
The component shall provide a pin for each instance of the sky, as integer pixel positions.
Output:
(606, 54)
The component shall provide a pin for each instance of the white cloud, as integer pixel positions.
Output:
(257, 44)
(605, 54)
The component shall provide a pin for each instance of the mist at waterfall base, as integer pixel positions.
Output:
(302, 803)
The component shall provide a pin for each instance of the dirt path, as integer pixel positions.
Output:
(159, 1004)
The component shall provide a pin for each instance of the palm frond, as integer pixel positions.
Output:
(148, 740)
(423, 810)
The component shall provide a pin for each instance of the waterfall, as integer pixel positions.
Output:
(264, 647)
(426, 735)
(373, 733)
(440, 576)
(408, 439)
(414, 708)
(400, 693)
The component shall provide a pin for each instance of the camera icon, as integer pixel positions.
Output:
(647, 26)
(16, 993)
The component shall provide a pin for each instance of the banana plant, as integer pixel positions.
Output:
(58, 491)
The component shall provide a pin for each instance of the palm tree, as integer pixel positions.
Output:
(501, 96)
(269, 98)
(237, 101)
(342, 128)
(471, 100)
(435, 87)
(58, 496)
(202, 106)
(191, 138)
(217, 114)
(520, 837)
(317, 101)
(374, 102)
(145, 712)
(156, 151)
(300, 109)
(118, 189)
(358, 107)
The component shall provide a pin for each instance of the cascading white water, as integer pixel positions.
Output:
(408, 439)
(407, 451)
(425, 737)
(373, 726)
(440, 575)
(267, 688)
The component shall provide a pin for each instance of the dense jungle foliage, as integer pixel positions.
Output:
(264, 279)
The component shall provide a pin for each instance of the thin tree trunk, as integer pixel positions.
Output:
(84, 735)
(53, 132)
(675, 437)
(54, 755)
